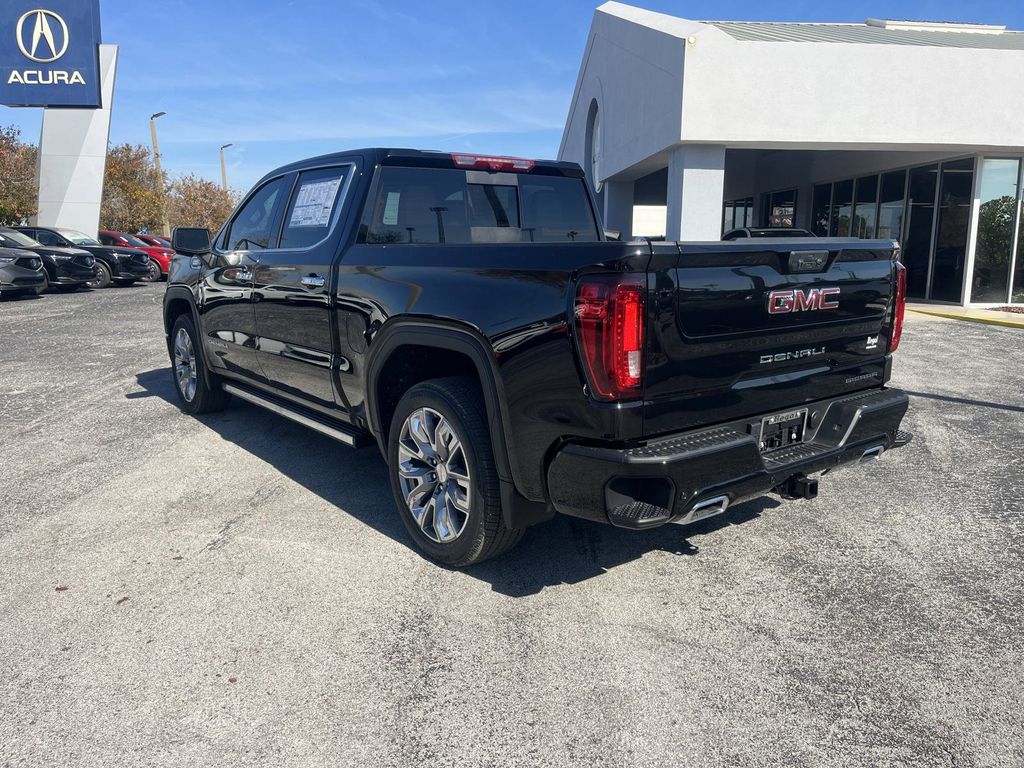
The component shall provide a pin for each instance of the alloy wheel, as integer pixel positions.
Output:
(434, 474)
(185, 365)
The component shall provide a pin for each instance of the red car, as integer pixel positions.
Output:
(159, 242)
(159, 255)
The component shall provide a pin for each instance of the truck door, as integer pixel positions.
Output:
(226, 290)
(292, 291)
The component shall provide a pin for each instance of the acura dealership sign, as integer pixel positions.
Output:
(50, 54)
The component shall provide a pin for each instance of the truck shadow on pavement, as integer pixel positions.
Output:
(564, 550)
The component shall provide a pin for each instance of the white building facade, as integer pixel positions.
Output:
(893, 129)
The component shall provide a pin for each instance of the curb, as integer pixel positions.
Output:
(1005, 323)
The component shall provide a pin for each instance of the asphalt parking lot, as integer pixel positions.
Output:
(237, 590)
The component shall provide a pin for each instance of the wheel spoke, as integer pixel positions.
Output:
(447, 442)
(444, 526)
(458, 496)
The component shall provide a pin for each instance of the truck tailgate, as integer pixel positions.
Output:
(747, 327)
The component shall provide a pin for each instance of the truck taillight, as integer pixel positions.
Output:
(610, 327)
(900, 308)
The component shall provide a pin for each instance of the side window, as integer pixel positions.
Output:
(47, 238)
(313, 207)
(256, 225)
(106, 240)
(418, 205)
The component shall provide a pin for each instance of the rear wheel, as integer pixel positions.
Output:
(188, 370)
(443, 475)
(103, 277)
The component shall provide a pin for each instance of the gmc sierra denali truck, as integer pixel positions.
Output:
(468, 316)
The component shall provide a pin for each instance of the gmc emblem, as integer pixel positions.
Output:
(785, 302)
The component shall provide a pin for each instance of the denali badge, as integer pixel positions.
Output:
(797, 300)
(797, 355)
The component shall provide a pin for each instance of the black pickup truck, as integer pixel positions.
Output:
(468, 316)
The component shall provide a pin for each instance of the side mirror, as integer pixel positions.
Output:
(193, 241)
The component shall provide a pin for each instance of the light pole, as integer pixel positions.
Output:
(159, 173)
(224, 167)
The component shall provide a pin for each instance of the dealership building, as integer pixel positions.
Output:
(893, 129)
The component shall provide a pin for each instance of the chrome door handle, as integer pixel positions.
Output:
(243, 276)
(314, 281)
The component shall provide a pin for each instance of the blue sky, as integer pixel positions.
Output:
(287, 79)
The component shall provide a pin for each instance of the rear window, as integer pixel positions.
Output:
(434, 206)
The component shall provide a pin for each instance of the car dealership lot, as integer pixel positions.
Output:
(238, 590)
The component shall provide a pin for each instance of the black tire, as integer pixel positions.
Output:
(103, 277)
(45, 286)
(204, 399)
(484, 534)
(155, 274)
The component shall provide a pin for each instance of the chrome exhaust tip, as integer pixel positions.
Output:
(703, 509)
(871, 454)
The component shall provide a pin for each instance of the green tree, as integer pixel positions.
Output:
(19, 188)
(197, 202)
(133, 191)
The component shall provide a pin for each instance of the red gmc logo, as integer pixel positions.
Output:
(785, 302)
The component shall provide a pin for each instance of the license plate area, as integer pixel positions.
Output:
(782, 430)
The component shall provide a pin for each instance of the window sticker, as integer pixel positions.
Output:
(314, 202)
(391, 209)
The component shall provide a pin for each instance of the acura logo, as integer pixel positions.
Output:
(41, 32)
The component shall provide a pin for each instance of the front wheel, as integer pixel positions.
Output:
(103, 277)
(443, 475)
(195, 396)
(155, 274)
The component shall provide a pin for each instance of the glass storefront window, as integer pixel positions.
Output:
(955, 198)
(842, 209)
(890, 206)
(820, 209)
(996, 219)
(865, 205)
(737, 214)
(780, 208)
(918, 241)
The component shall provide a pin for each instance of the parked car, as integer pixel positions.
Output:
(120, 266)
(468, 316)
(736, 234)
(63, 268)
(159, 256)
(20, 272)
(154, 240)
